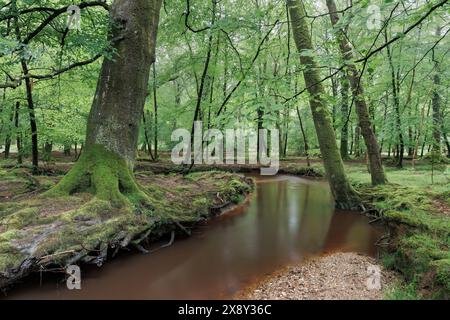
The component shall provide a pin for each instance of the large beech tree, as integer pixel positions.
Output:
(344, 194)
(105, 167)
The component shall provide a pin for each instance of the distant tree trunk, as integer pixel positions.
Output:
(260, 115)
(419, 132)
(357, 145)
(344, 117)
(343, 192)
(106, 163)
(398, 123)
(48, 147)
(147, 138)
(32, 115)
(67, 149)
(351, 140)
(305, 139)
(436, 102)
(422, 151)
(8, 135)
(444, 135)
(155, 106)
(18, 135)
(386, 104)
(31, 111)
(286, 131)
(354, 77)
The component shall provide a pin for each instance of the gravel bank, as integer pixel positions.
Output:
(338, 276)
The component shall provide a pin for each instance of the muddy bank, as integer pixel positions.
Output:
(39, 233)
(338, 276)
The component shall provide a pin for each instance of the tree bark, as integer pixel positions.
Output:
(436, 103)
(344, 117)
(354, 77)
(31, 111)
(357, 144)
(398, 122)
(305, 139)
(8, 135)
(32, 115)
(344, 194)
(106, 163)
(155, 107)
(18, 135)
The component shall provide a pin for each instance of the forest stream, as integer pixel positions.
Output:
(286, 220)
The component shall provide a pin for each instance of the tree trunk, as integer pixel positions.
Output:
(147, 138)
(419, 132)
(398, 123)
(67, 149)
(155, 107)
(32, 115)
(357, 144)
(436, 102)
(354, 77)
(8, 135)
(18, 135)
(108, 156)
(344, 117)
(48, 147)
(344, 194)
(305, 139)
(31, 112)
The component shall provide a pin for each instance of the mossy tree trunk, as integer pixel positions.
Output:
(344, 194)
(106, 164)
(354, 77)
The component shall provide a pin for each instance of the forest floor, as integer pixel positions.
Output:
(337, 276)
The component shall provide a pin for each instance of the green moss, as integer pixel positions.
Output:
(407, 205)
(95, 209)
(9, 260)
(22, 218)
(103, 173)
(442, 269)
(404, 292)
(8, 235)
(9, 256)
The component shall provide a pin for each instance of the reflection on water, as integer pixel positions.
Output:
(285, 220)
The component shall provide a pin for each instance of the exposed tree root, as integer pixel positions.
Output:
(104, 174)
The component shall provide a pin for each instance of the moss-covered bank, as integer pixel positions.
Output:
(419, 241)
(38, 232)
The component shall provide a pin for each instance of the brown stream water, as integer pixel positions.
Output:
(286, 220)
